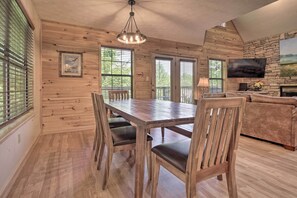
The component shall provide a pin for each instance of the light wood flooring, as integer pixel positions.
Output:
(62, 165)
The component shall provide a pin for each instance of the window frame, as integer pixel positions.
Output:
(222, 74)
(26, 68)
(119, 75)
(175, 74)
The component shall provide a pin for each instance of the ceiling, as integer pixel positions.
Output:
(275, 18)
(177, 20)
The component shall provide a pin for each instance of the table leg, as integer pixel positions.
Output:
(140, 159)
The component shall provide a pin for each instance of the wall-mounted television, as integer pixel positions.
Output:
(247, 68)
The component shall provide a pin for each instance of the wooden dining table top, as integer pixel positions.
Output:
(153, 112)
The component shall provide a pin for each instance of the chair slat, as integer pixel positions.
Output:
(229, 130)
(223, 136)
(118, 94)
(203, 136)
(217, 135)
(210, 138)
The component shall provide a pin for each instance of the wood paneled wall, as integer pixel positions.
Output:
(66, 102)
(223, 43)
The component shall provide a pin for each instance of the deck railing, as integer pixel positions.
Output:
(186, 92)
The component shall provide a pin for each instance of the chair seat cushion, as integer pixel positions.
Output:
(118, 122)
(115, 115)
(125, 135)
(174, 153)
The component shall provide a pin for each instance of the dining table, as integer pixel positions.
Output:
(145, 115)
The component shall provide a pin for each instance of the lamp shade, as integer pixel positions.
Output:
(203, 82)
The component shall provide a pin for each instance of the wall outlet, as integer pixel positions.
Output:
(19, 138)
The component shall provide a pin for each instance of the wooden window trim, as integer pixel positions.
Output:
(222, 71)
(120, 75)
(26, 14)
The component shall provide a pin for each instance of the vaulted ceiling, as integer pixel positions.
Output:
(275, 18)
(177, 20)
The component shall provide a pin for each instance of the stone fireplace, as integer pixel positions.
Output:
(288, 90)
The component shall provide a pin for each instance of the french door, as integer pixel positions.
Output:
(174, 79)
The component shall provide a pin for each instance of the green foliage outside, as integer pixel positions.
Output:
(115, 63)
(215, 73)
(163, 83)
(162, 77)
(19, 43)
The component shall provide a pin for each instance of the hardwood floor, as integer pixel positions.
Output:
(62, 165)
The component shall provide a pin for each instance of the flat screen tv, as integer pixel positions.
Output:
(247, 68)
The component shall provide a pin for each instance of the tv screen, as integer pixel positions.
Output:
(247, 68)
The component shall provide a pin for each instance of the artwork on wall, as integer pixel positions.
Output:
(288, 57)
(71, 64)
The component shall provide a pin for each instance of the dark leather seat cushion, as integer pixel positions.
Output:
(174, 153)
(125, 135)
(118, 122)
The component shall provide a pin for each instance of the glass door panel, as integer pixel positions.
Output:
(163, 78)
(186, 81)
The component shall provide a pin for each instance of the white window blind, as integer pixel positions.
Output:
(16, 62)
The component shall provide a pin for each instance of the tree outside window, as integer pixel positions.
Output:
(116, 70)
(215, 76)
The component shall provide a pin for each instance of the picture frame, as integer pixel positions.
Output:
(288, 57)
(71, 64)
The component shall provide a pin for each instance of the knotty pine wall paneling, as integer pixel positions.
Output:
(66, 102)
(223, 43)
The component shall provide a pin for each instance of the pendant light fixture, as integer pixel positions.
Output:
(131, 33)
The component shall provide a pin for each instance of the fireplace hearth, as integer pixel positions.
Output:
(288, 90)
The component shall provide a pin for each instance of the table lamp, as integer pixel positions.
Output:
(203, 85)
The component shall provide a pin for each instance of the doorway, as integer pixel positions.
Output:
(174, 79)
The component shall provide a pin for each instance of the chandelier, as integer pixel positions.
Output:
(131, 33)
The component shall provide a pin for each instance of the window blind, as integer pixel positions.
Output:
(16, 62)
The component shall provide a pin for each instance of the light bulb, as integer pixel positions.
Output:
(124, 37)
(131, 38)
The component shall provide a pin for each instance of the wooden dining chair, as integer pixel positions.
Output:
(214, 95)
(98, 139)
(117, 139)
(118, 94)
(210, 152)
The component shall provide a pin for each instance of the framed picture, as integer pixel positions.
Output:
(288, 57)
(71, 64)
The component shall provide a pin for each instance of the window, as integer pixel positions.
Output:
(174, 78)
(215, 76)
(116, 70)
(16, 62)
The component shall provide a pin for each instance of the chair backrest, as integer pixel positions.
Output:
(214, 95)
(216, 132)
(118, 94)
(103, 120)
(96, 114)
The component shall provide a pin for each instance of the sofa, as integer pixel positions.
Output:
(269, 118)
